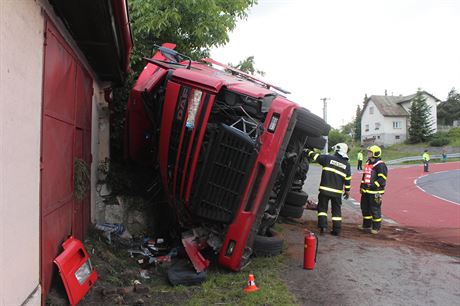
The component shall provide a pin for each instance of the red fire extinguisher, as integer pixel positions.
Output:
(310, 251)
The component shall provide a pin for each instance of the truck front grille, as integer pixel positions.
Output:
(229, 161)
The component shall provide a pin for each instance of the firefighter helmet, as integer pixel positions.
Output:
(376, 151)
(341, 149)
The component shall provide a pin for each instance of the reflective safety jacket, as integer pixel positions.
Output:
(374, 177)
(426, 156)
(336, 175)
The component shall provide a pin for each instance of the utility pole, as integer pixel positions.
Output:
(325, 119)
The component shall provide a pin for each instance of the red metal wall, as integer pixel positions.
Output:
(66, 135)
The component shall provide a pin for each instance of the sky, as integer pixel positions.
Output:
(342, 50)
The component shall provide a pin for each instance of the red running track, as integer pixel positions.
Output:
(406, 204)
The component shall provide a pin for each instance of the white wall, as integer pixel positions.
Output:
(390, 132)
(371, 119)
(21, 63)
(21, 67)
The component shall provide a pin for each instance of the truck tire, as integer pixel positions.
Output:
(296, 198)
(291, 211)
(315, 142)
(183, 273)
(268, 246)
(310, 124)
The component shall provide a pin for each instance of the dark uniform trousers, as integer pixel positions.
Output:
(336, 207)
(371, 209)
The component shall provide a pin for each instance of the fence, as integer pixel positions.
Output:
(416, 158)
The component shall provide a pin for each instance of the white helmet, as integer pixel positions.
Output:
(341, 149)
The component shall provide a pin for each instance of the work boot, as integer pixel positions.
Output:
(375, 232)
(335, 233)
(363, 228)
(322, 230)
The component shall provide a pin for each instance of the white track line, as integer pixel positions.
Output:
(440, 198)
(415, 182)
(391, 221)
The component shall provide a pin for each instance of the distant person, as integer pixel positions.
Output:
(444, 155)
(335, 178)
(426, 160)
(360, 160)
(372, 189)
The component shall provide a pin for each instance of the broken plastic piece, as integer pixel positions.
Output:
(193, 251)
(77, 273)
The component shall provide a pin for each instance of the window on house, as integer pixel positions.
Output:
(377, 125)
(397, 137)
(371, 110)
(366, 128)
(378, 137)
(397, 124)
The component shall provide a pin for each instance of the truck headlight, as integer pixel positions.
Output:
(84, 272)
(230, 248)
(193, 108)
(273, 122)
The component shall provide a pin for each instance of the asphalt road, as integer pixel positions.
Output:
(445, 185)
(409, 205)
(399, 266)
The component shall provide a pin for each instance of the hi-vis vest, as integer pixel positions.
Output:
(377, 184)
(368, 172)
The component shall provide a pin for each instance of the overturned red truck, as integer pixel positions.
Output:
(229, 151)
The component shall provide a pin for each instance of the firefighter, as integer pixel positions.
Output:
(360, 160)
(335, 178)
(372, 189)
(426, 160)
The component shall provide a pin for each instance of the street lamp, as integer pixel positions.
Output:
(326, 147)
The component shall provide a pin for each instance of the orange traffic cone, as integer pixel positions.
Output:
(251, 287)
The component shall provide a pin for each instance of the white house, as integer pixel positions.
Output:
(58, 62)
(385, 119)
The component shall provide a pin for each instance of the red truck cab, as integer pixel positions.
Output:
(227, 146)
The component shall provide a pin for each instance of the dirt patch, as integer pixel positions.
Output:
(396, 236)
(399, 266)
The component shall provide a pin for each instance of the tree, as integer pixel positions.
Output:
(248, 65)
(194, 26)
(348, 128)
(335, 137)
(420, 129)
(357, 124)
(449, 110)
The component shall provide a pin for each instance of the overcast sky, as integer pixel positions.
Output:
(344, 49)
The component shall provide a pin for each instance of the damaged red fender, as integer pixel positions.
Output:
(77, 273)
(192, 248)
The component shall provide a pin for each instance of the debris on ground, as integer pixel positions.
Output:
(113, 228)
(311, 205)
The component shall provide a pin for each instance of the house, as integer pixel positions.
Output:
(385, 119)
(58, 62)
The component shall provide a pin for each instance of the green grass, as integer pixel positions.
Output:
(222, 287)
(226, 288)
(400, 150)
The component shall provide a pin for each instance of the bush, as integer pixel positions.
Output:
(439, 142)
(454, 133)
(335, 136)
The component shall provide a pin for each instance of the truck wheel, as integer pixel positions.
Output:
(296, 198)
(183, 273)
(311, 124)
(291, 211)
(315, 142)
(268, 246)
